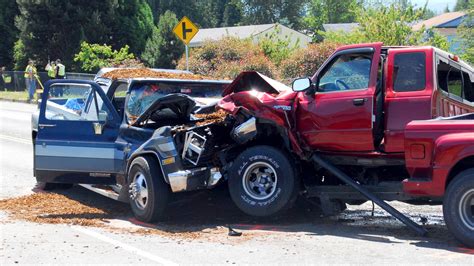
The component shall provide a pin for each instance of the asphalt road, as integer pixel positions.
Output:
(195, 231)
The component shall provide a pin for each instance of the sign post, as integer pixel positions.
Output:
(187, 57)
(186, 30)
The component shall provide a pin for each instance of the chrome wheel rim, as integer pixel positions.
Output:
(139, 190)
(260, 180)
(466, 209)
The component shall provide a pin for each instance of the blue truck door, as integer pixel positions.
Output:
(77, 130)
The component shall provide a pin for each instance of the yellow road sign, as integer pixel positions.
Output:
(185, 30)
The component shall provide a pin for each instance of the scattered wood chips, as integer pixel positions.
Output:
(126, 73)
(53, 208)
(215, 117)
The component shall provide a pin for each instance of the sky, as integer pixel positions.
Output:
(436, 5)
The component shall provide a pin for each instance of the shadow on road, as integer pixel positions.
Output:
(204, 210)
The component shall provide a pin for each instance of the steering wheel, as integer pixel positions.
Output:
(339, 81)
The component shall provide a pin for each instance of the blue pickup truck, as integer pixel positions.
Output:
(116, 137)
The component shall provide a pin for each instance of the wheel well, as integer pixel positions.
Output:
(460, 166)
(150, 155)
(272, 135)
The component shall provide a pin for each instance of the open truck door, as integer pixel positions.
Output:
(77, 130)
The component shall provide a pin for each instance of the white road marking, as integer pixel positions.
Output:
(126, 247)
(15, 139)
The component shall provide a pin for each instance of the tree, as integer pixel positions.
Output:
(446, 10)
(93, 57)
(390, 25)
(232, 13)
(132, 25)
(19, 55)
(163, 48)
(9, 32)
(286, 12)
(429, 13)
(461, 5)
(466, 34)
(205, 13)
(329, 11)
(55, 29)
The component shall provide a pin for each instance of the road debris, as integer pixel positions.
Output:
(232, 232)
(127, 73)
(65, 208)
(54, 208)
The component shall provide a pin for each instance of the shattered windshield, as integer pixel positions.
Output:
(143, 95)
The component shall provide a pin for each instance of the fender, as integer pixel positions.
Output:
(448, 150)
(162, 147)
(278, 110)
(451, 148)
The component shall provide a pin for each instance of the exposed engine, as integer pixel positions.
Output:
(199, 144)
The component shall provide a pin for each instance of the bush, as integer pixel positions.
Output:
(305, 62)
(226, 58)
(19, 55)
(94, 56)
(277, 48)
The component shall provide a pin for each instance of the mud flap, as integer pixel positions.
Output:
(369, 195)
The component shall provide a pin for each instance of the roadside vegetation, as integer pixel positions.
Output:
(94, 34)
(14, 95)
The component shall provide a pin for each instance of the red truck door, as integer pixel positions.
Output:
(340, 115)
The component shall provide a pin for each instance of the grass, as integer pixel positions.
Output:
(14, 95)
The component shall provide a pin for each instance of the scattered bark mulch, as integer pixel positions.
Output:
(126, 73)
(215, 117)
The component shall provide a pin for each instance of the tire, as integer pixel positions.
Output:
(145, 175)
(458, 207)
(280, 186)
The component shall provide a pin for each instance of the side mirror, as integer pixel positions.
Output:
(301, 84)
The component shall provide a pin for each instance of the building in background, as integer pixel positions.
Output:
(337, 27)
(447, 25)
(254, 32)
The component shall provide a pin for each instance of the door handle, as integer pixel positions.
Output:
(358, 102)
(46, 125)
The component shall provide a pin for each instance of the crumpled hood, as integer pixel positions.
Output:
(255, 81)
(181, 104)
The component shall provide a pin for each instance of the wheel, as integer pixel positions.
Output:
(148, 192)
(262, 181)
(458, 207)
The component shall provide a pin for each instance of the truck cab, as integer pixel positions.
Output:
(364, 95)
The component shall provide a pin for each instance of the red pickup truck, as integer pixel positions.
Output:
(394, 119)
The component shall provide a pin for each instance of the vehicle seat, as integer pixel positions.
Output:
(119, 104)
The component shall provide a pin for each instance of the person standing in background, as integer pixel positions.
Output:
(30, 79)
(60, 70)
(51, 69)
(2, 79)
(60, 74)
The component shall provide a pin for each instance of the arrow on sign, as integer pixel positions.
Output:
(185, 30)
